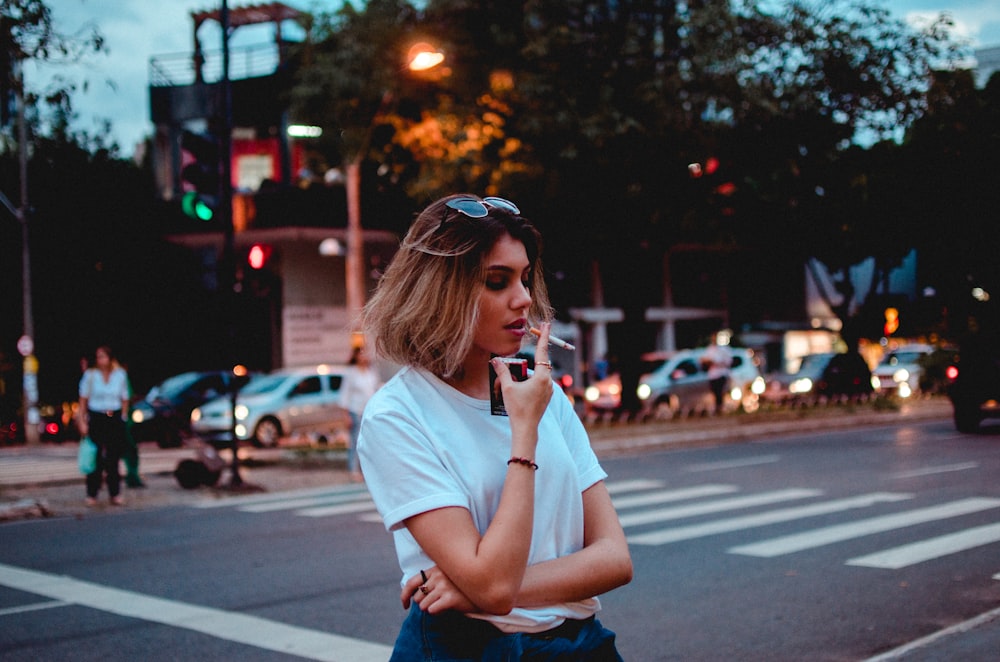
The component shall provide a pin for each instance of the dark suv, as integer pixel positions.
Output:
(974, 383)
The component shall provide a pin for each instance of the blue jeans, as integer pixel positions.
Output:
(453, 637)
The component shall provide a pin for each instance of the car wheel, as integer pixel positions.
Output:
(966, 418)
(267, 433)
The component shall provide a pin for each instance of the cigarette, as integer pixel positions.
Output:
(558, 342)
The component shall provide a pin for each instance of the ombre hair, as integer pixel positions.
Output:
(426, 307)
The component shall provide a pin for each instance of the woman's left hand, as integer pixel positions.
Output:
(435, 595)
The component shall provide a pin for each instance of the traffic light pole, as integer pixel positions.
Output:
(228, 248)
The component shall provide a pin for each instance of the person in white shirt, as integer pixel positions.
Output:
(504, 529)
(717, 361)
(360, 384)
(104, 404)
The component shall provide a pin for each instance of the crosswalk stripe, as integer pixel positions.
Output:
(734, 464)
(664, 536)
(840, 532)
(338, 509)
(672, 495)
(269, 497)
(930, 471)
(679, 512)
(925, 550)
(619, 486)
(307, 502)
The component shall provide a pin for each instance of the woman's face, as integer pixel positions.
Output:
(102, 359)
(504, 300)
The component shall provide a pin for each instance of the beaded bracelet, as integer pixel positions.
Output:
(523, 460)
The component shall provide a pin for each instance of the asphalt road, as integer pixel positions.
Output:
(824, 545)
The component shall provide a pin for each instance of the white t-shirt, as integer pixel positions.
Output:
(104, 395)
(424, 445)
(358, 387)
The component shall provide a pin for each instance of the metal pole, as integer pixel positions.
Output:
(228, 250)
(30, 381)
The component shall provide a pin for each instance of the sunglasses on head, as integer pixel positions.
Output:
(480, 208)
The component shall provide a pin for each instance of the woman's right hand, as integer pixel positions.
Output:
(526, 401)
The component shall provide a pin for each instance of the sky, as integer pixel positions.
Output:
(137, 30)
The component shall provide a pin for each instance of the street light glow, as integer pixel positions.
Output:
(423, 56)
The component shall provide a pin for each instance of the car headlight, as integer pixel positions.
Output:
(904, 390)
(876, 382)
(138, 416)
(901, 375)
(242, 412)
(801, 385)
(758, 386)
(591, 393)
(644, 391)
(195, 415)
(736, 394)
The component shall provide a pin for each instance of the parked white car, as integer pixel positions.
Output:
(680, 386)
(275, 405)
(899, 371)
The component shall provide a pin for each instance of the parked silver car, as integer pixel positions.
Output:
(680, 386)
(275, 405)
(901, 371)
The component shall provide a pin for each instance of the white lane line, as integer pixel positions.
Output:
(673, 495)
(925, 550)
(930, 471)
(731, 524)
(307, 502)
(618, 486)
(241, 628)
(33, 607)
(678, 512)
(917, 644)
(734, 464)
(840, 532)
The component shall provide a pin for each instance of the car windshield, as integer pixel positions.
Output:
(173, 386)
(814, 363)
(896, 358)
(263, 384)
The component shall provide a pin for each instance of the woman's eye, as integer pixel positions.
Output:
(496, 284)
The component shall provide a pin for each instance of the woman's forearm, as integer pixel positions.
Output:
(593, 570)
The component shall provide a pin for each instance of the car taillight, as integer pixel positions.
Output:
(951, 372)
(51, 428)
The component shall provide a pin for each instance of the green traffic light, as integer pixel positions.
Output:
(194, 206)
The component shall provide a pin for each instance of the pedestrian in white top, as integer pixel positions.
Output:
(360, 384)
(504, 529)
(104, 404)
(717, 361)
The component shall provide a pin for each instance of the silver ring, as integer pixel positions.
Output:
(547, 364)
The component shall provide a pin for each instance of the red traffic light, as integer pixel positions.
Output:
(258, 255)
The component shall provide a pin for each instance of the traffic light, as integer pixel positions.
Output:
(200, 174)
(258, 256)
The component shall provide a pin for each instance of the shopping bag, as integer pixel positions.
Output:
(86, 456)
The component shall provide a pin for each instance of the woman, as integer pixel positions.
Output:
(104, 403)
(504, 529)
(359, 386)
